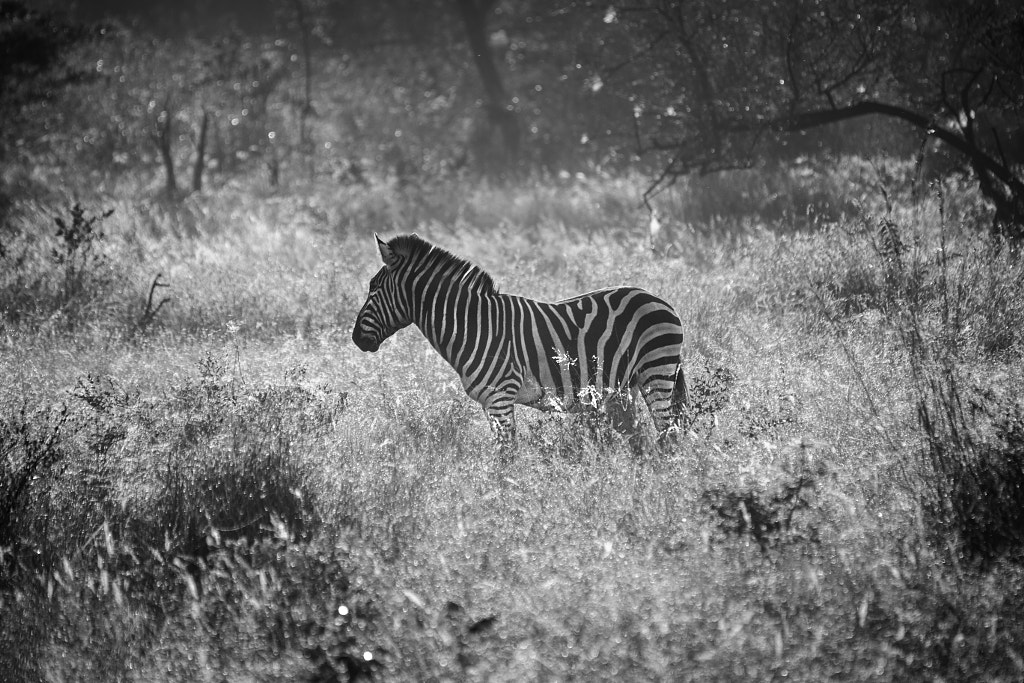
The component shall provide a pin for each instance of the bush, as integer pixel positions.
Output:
(949, 307)
(972, 465)
(218, 453)
(213, 453)
(30, 445)
(766, 516)
(65, 282)
(249, 608)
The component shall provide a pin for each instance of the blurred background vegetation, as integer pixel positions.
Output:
(112, 97)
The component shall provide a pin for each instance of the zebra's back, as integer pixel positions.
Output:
(609, 339)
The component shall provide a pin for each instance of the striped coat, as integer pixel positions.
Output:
(567, 355)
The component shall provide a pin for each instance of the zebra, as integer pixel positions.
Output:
(569, 355)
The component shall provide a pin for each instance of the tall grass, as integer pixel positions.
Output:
(952, 307)
(241, 494)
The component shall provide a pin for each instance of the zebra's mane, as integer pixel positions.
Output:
(415, 246)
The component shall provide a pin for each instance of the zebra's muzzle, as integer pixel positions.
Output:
(364, 342)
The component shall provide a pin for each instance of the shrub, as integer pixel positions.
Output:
(963, 293)
(74, 253)
(218, 452)
(248, 608)
(709, 391)
(949, 307)
(766, 516)
(972, 464)
(64, 282)
(30, 444)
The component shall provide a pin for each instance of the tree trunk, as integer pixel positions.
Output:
(499, 114)
(200, 164)
(305, 144)
(162, 139)
(273, 170)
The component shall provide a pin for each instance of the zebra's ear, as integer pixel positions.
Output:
(387, 254)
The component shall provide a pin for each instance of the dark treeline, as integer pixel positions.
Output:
(304, 89)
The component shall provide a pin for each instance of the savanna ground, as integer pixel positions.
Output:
(225, 488)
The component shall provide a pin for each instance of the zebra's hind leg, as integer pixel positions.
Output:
(682, 413)
(668, 400)
(620, 407)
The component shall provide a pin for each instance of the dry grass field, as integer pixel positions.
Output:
(224, 488)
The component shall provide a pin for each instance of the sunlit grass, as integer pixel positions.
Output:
(242, 494)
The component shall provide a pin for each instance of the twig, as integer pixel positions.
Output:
(149, 313)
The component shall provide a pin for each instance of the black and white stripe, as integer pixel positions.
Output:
(509, 349)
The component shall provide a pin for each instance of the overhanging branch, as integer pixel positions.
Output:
(823, 117)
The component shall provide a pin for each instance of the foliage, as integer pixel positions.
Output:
(719, 86)
(292, 607)
(765, 516)
(945, 311)
(74, 252)
(69, 282)
(34, 66)
(33, 45)
(974, 460)
(219, 453)
(29, 447)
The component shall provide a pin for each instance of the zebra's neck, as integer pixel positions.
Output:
(453, 302)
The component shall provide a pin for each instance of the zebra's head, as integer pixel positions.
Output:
(387, 308)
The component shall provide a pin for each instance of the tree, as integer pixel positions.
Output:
(33, 48)
(309, 19)
(498, 110)
(724, 84)
(189, 100)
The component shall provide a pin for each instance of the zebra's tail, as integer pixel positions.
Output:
(681, 413)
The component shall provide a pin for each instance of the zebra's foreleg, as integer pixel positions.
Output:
(500, 411)
(668, 438)
(503, 426)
